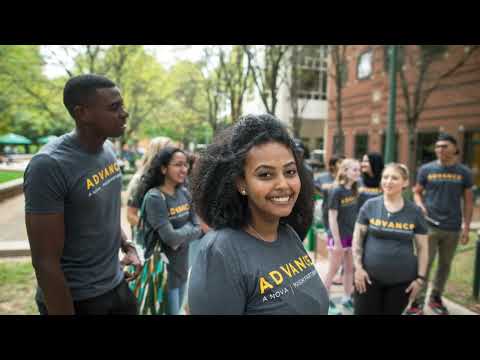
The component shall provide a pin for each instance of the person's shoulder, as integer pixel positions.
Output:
(155, 193)
(374, 201)
(411, 207)
(222, 240)
(464, 168)
(429, 166)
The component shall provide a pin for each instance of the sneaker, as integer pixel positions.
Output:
(415, 309)
(348, 304)
(437, 306)
(332, 309)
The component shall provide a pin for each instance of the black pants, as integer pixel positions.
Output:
(380, 299)
(118, 301)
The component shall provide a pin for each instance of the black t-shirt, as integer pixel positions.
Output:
(388, 251)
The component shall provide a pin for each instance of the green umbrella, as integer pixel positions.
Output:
(46, 139)
(14, 139)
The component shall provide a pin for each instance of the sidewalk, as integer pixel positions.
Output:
(336, 294)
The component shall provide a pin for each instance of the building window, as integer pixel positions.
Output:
(361, 145)
(319, 143)
(313, 72)
(365, 65)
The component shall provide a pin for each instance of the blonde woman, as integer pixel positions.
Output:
(388, 273)
(342, 213)
(134, 201)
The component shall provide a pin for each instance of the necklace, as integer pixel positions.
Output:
(257, 233)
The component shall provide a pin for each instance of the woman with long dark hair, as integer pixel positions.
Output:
(251, 188)
(169, 213)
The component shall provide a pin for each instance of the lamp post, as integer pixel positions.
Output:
(390, 143)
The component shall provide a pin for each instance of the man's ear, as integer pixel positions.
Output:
(80, 113)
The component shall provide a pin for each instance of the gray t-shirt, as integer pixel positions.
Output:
(342, 199)
(159, 210)
(237, 274)
(323, 183)
(444, 188)
(85, 187)
(388, 252)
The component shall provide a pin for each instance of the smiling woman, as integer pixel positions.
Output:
(251, 187)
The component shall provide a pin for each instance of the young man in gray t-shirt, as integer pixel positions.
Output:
(441, 185)
(72, 204)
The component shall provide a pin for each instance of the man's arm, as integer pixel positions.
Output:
(46, 234)
(467, 214)
(418, 197)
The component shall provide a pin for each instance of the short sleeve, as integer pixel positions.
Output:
(364, 214)
(156, 209)
(215, 286)
(422, 176)
(421, 227)
(334, 198)
(44, 186)
(468, 179)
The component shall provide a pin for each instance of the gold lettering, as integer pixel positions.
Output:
(292, 269)
(300, 264)
(398, 226)
(264, 284)
(89, 184)
(111, 169)
(276, 276)
(100, 173)
(289, 273)
(117, 168)
(405, 227)
(96, 179)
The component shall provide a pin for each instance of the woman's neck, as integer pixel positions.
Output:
(266, 229)
(168, 187)
(349, 184)
(393, 202)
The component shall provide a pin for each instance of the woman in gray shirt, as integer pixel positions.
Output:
(251, 188)
(388, 271)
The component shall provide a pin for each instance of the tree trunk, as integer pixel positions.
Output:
(412, 153)
(339, 146)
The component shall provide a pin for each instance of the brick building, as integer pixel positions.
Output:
(454, 107)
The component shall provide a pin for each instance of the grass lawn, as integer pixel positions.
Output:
(9, 175)
(17, 287)
(460, 283)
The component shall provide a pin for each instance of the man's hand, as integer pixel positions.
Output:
(131, 258)
(465, 238)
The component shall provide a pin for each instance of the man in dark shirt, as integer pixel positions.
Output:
(441, 185)
(72, 204)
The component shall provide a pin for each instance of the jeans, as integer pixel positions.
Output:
(118, 301)
(444, 243)
(175, 300)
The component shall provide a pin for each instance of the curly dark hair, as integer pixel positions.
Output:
(154, 176)
(215, 196)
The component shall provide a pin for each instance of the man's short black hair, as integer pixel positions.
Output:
(78, 89)
(447, 137)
